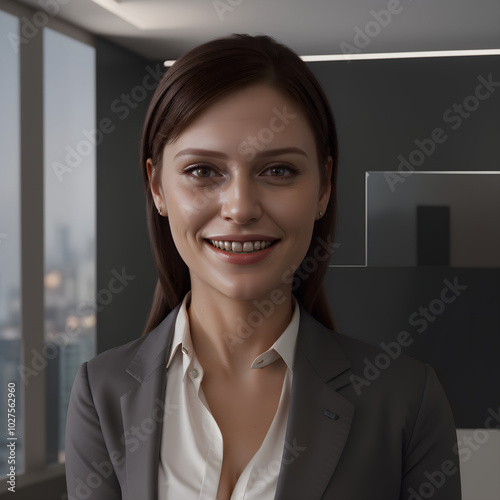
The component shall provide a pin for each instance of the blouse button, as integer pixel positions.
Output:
(193, 373)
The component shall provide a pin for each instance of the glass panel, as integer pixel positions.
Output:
(433, 218)
(69, 191)
(10, 245)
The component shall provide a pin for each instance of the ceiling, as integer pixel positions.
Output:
(164, 29)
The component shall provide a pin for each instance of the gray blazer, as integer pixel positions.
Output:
(391, 437)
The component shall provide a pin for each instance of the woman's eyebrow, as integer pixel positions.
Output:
(280, 151)
(261, 154)
(201, 152)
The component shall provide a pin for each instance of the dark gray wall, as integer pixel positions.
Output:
(381, 108)
(124, 88)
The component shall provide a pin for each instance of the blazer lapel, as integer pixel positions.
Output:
(143, 411)
(319, 418)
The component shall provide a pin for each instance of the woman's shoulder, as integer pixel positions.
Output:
(120, 366)
(385, 366)
(364, 363)
(116, 357)
(106, 373)
(384, 352)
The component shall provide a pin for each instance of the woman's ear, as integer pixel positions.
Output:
(156, 190)
(325, 188)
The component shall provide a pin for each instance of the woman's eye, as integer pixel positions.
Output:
(201, 171)
(281, 170)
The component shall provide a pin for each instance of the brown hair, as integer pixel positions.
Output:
(195, 81)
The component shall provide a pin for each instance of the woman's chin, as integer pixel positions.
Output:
(247, 291)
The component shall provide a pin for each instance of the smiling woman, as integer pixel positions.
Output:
(274, 89)
(240, 388)
(272, 199)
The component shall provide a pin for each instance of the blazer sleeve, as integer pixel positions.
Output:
(89, 471)
(431, 468)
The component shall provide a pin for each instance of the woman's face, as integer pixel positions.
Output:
(244, 171)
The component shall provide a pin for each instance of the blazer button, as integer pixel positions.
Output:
(332, 415)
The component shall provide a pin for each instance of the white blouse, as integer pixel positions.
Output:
(191, 443)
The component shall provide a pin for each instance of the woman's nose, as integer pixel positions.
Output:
(240, 200)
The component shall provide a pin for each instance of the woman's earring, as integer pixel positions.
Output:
(159, 210)
(320, 214)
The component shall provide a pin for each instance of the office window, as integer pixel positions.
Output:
(69, 218)
(10, 270)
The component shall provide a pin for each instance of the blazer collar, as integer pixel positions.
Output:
(319, 419)
(319, 346)
(155, 349)
(315, 341)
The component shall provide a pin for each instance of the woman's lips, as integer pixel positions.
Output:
(243, 258)
(241, 246)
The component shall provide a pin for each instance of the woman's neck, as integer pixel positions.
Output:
(228, 334)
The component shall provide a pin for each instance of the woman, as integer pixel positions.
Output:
(240, 388)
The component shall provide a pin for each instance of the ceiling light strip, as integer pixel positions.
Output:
(390, 55)
(401, 55)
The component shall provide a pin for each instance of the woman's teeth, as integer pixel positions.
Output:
(239, 247)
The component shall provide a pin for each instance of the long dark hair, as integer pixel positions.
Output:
(194, 82)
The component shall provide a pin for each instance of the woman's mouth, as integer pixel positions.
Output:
(241, 247)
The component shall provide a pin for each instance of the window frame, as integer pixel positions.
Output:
(31, 64)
